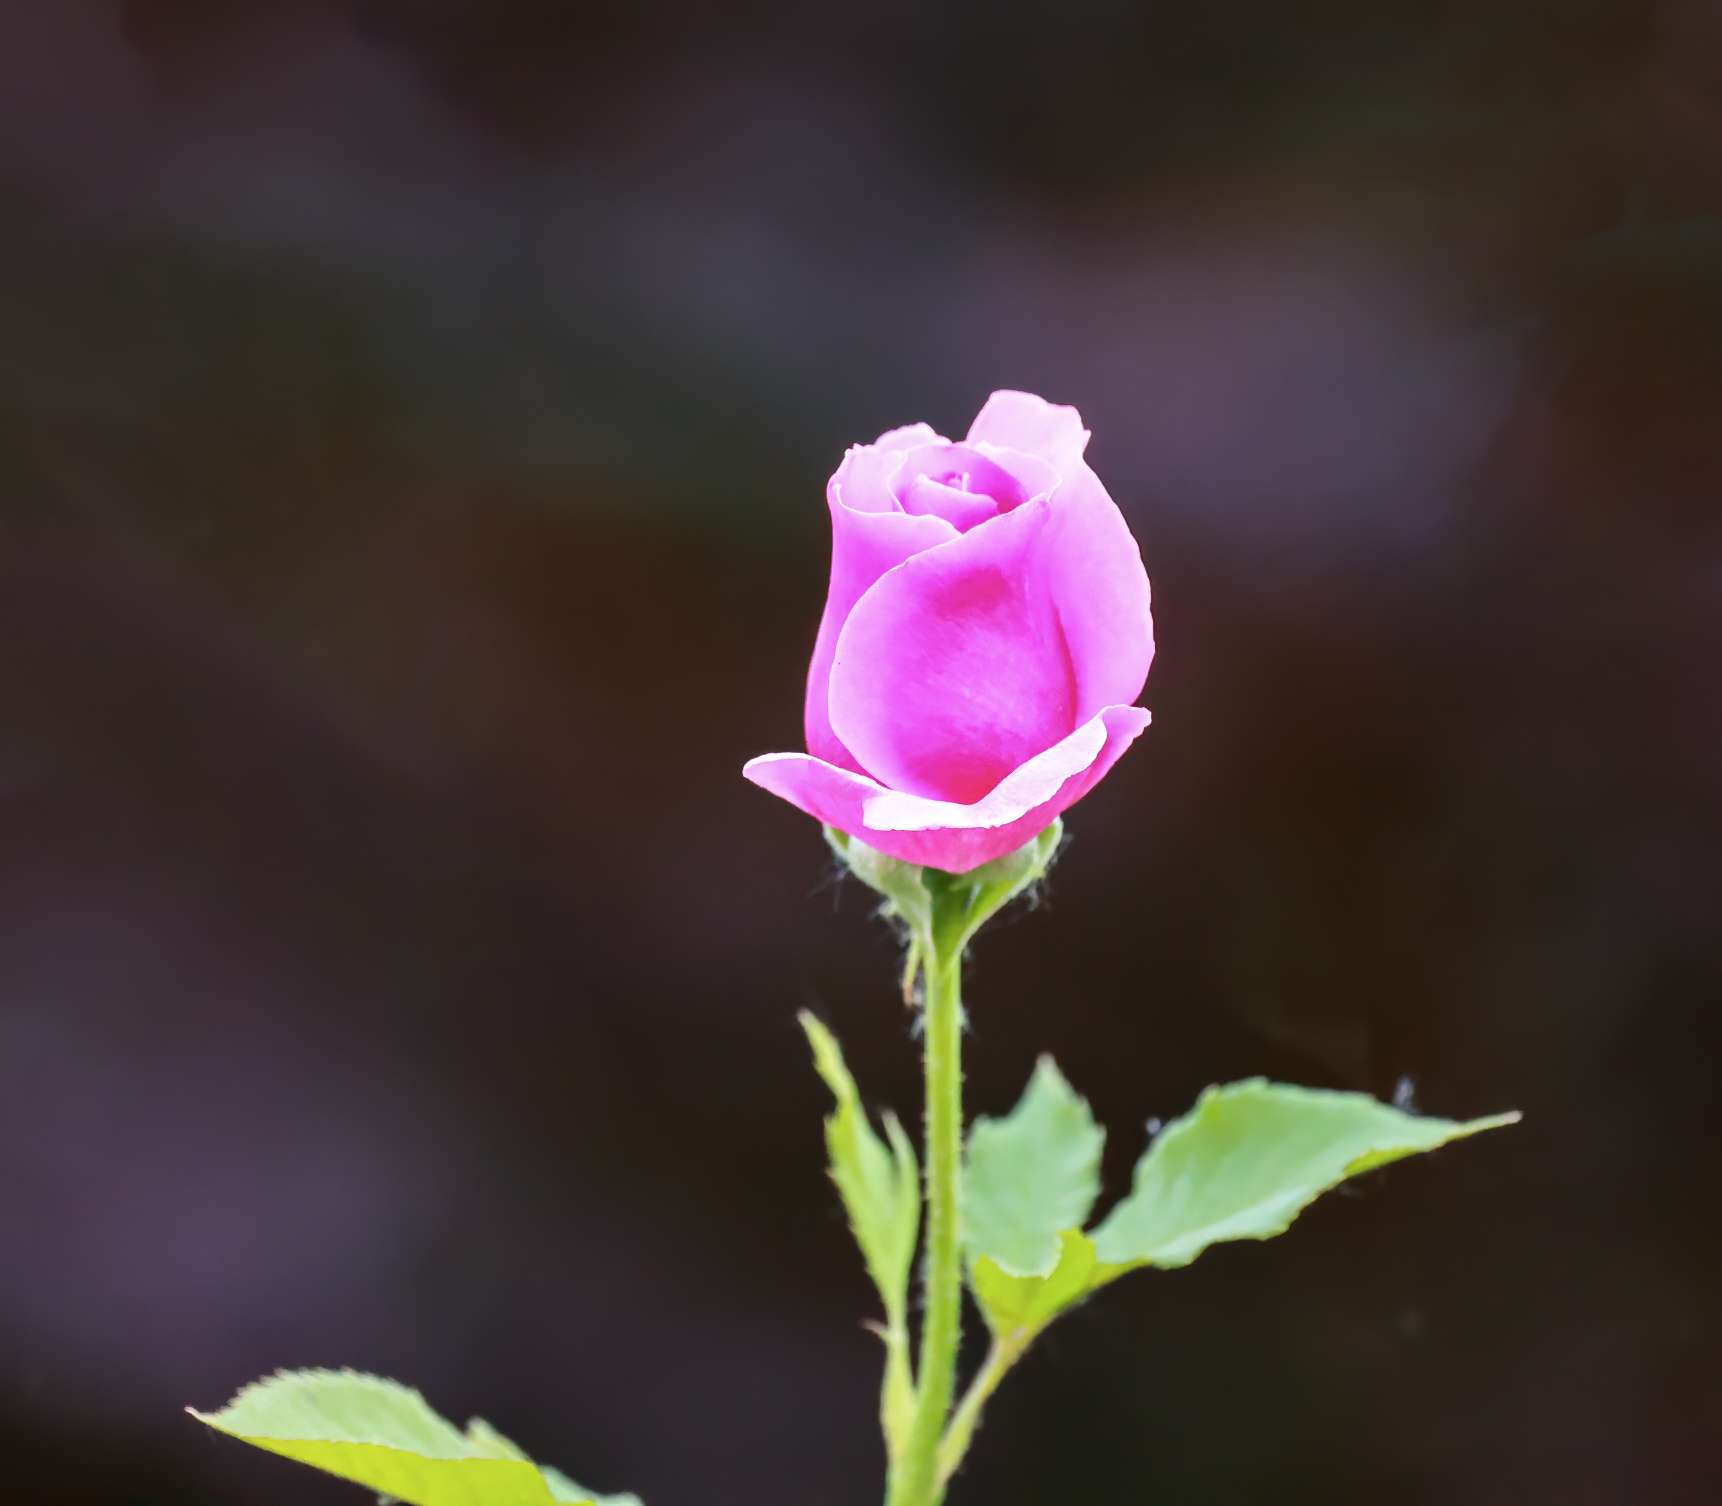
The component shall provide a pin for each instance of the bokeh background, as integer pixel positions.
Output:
(414, 418)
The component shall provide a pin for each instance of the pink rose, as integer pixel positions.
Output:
(986, 632)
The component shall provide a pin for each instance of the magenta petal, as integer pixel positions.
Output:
(1094, 570)
(972, 470)
(952, 669)
(834, 795)
(962, 510)
(1031, 475)
(908, 437)
(866, 480)
(1022, 421)
(1030, 787)
(863, 482)
(948, 836)
(865, 543)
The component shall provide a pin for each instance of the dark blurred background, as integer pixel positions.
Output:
(414, 419)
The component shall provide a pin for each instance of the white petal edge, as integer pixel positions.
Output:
(1028, 785)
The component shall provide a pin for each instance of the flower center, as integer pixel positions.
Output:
(958, 484)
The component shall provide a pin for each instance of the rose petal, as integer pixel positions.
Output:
(1032, 475)
(1025, 788)
(969, 485)
(863, 480)
(952, 668)
(1094, 571)
(949, 836)
(866, 540)
(981, 473)
(1022, 421)
(908, 437)
(962, 510)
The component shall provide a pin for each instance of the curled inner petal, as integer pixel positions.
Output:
(948, 499)
(964, 469)
(966, 484)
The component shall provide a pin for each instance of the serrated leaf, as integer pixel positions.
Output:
(487, 1441)
(1031, 1176)
(1248, 1159)
(1017, 1307)
(384, 1436)
(880, 1186)
(565, 1490)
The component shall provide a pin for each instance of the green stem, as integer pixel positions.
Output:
(964, 1421)
(915, 1477)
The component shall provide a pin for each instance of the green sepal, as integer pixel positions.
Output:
(964, 902)
(385, 1437)
(902, 885)
(942, 910)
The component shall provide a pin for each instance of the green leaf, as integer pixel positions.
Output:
(880, 1187)
(1031, 1176)
(384, 1436)
(487, 1441)
(1248, 1159)
(1018, 1307)
(565, 1490)
(1241, 1165)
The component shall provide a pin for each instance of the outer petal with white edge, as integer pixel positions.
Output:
(944, 834)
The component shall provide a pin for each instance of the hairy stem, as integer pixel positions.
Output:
(915, 1479)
